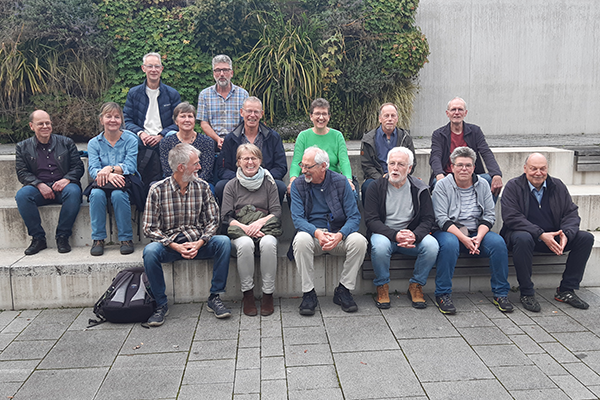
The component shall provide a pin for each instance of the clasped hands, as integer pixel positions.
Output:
(327, 240)
(105, 175)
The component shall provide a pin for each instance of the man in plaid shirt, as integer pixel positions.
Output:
(181, 218)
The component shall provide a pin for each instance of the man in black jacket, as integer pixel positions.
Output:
(49, 168)
(539, 215)
(399, 216)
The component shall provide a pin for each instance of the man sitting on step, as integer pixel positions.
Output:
(399, 216)
(539, 215)
(49, 168)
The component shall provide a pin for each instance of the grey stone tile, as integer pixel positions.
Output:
(213, 350)
(273, 390)
(466, 390)
(212, 328)
(272, 368)
(187, 310)
(21, 321)
(558, 323)
(539, 394)
(519, 317)
(6, 339)
(368, 333)
(81, 349)
(572, 387)
(312, 377)
(249, 338)
(6, 317)
(8, 389)
(538, 334)
(81, 323)
(548, 365)
(526, 344)
(209, 372)
(50, 324)
(470, 319)
(376, 374)
(463, 303)
(16, 371)
(294, 319)
(143, 376)
(271, 346)
(507, 326)
(76, 384)
(595, 389)
(412, 323)
(484, 335)
(579, 341)
(27, 350)
(246, 381)
(497, 355)
(328, 393)
(512, 378)
(290, 304)
(592, 360)
(216, 391)
(247, 322)
(559, 352)
(460, 361)
(175, 335)
(365, 303)
(248, 358)
(310, 354)
(304, 335)
(583, 373)
(253, 396)
(271, 328)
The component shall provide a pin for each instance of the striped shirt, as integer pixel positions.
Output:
(223, 114)
(169, 213)
(470, 214)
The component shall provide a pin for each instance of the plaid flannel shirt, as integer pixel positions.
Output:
(223, 114)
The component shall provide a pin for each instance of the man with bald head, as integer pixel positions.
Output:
(49, 168)
(539, 215)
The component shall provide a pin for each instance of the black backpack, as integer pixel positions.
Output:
(127, 299)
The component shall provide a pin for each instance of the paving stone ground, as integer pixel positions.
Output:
(400, 353)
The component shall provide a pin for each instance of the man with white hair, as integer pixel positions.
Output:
(326, 218)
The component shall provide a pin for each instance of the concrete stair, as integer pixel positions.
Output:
(50, 279)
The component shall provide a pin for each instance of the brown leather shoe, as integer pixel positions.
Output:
(266, 304)
(249, 306)
(382, 298)
(415, 294)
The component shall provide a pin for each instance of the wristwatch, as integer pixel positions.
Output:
(112, 169)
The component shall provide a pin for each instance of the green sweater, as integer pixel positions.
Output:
(333, 143)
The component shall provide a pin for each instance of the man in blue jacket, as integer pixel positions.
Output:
(252, 131)
(326, 218)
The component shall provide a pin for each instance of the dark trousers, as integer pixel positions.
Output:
(523, 245)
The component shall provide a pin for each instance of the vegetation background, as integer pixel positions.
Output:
(69, 56)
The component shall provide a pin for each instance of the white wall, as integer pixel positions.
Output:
(523, 66)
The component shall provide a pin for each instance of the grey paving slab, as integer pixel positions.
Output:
(538, 334)
(85, 349)
(81, 323)
(249, 338)
(512, 377)
(376, 374)
(248, 358)
(213, 350)
(16, 371)
(595, 390)
(548, 365)
(578, 341)
(592, 360)
(526, 344)
(497, 355)
(253, 396)
(539, 394)
(8, 389)
(366, 306)
(272, 368)
(144, 376)
(460, 361)
(312, 377)
(294, 319)
(247, 381)
(367, 333)
(572, 387)
(248, 322)
(27, 350)
(304, 335)
(273, 390)
(507, 326)
(75, 384)
(6, 339)
(327, 393)
(466, 390)
(311, 354)
(50, 324)
(6, 317)
(519, 317)
(412, 323)
(21, 321)
(559, 352)
(271, 346)
(216, 391)
(175, 335)
(559, 323)
(209, 372)
(484, 335)
(271, 328)
(470, 319)
(583, 373)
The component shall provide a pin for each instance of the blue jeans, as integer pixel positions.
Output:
(382, 249)
(492, 246)
(29, 199)
(218, 248)
(122, 207)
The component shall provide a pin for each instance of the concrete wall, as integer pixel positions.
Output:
(524, 67)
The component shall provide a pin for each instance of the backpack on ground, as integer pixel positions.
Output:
(127, 299)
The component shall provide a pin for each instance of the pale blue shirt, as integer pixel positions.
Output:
(537, 193)
(123, 154)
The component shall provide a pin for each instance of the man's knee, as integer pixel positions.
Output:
(429, 246)
(153, 253)
(356, 242)
(303, 242)
(522, 239)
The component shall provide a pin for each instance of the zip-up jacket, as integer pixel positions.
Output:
(368, 152)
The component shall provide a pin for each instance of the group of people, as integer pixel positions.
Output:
(231, 180)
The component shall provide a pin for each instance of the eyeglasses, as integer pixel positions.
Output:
(219, 70)
(304, 166)
(320, 114)
(397, 164)
(252, 112)
(41, 124)
(457, 110)
(463, 166)
(246, 159)
(153, 66)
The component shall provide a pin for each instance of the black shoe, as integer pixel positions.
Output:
(530, 303)
(343, 297)
(445, 304)
(569, 297)
(35, 246)
(97, 248)
(309, 303)
(503, 304)
(127, 247)
(158, 318)
(62, 243)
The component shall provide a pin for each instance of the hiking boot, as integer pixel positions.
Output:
(503, 304)
(569, 297)
(444, 303)
(343, 297)
(248, 303)
(215, 305)
(158, 318)
(309, 303)
(530, 303)
(62, 243)
(127, 247)
(266, 304)
(36, 245)
(97, 248)
(382, 298)
(415, 294)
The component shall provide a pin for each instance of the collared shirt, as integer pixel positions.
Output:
(383, 145)
(124, 153)
(538, 194)
(168, 213)
(258, 140)
(223, 114)
(47, 167)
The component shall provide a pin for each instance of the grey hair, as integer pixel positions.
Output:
(252, 99)
(181, 154)
(321, 156)
(456, 98)
(387, 104)
(463, 152)
(403, 150)
(221, 58)
(319, 103)
(152, 55)
(183, 107)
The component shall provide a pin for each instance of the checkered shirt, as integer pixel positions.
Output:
(223, 114)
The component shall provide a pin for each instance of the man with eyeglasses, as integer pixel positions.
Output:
(399, 217)
(50, 170)
(252, 131)
(219, 105)
(458, 133)
(327, 219)
(464, 214)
